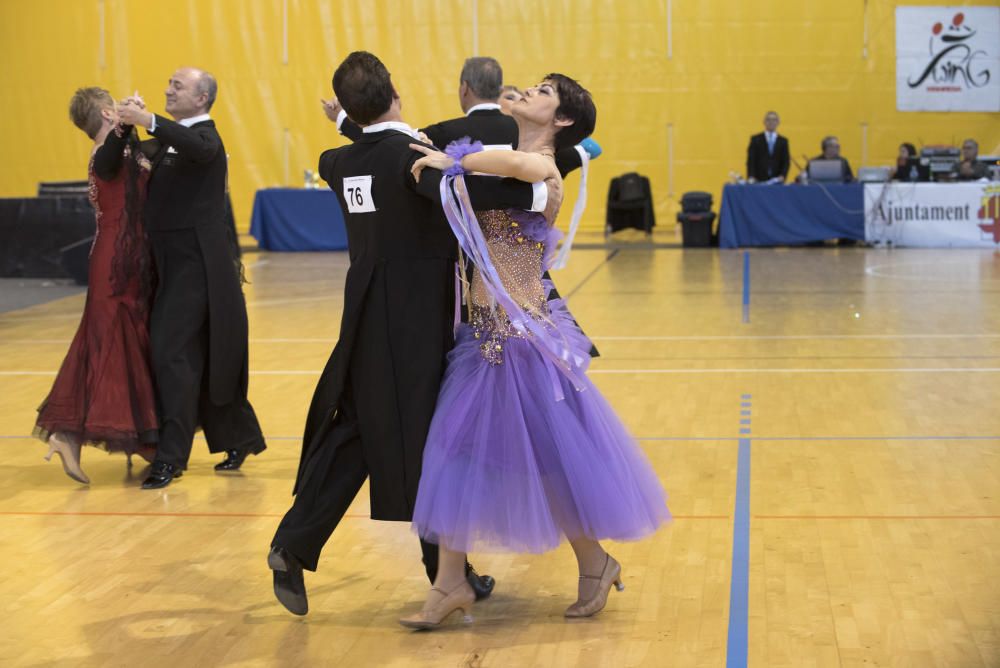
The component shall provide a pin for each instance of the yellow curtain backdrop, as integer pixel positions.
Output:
(680, 85)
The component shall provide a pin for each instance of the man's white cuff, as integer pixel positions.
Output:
(540, 196)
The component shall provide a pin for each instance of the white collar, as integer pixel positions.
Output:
(485, 106)
(389, 125)
(188, 122)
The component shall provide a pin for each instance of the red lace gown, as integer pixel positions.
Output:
(103, 394)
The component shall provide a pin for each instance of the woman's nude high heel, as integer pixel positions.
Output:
(460, 598)
(610, 576)
(69, 452)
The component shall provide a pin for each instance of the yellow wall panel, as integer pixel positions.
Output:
(730, 61)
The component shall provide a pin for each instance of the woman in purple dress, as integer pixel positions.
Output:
(523, 450)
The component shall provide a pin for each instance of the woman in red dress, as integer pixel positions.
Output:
(103, 395)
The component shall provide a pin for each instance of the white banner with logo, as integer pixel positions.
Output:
(933, 215)
(948, 58)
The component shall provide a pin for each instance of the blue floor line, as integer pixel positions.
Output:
(746, 287)
(737, 644)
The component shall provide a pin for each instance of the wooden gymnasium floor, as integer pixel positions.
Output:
(833, 466)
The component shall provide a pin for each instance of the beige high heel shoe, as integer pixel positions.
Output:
(69, 452)
(611, 575)
(460, 598)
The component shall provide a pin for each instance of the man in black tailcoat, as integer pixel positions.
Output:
(198, 326)
(374, 402)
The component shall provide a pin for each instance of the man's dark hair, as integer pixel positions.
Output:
(911, 150)
(575, 104)
(826, 140)
(484, 76)
(363, 87)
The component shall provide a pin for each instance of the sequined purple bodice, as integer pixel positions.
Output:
(517, 242)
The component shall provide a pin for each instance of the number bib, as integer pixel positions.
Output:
(358, 194)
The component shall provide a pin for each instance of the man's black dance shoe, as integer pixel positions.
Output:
(161, 475)
(289, 585)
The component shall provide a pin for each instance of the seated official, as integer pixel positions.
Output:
(831, 151)
(901, 172)
(970, 168)
(768, 156)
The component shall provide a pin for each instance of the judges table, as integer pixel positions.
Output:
(790, 215)
(298, 219)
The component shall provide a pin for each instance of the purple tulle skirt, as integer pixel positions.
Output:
(507, 467)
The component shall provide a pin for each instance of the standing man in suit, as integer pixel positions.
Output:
(374, 402)
(768, 156)
(198, 327)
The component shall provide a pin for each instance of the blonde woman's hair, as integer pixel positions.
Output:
(85, 108)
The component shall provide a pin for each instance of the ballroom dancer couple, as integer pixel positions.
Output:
(147, 367)
(496, 441)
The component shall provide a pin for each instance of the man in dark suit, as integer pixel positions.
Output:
(768, 156)
(374, 402)
(198, 326)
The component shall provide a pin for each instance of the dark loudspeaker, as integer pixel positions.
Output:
(696, 229)
(696, 202)
(75, 260)
(696, 219)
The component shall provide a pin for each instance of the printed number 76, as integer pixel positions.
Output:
(354, 194)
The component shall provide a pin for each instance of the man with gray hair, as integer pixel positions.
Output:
(198, 326)
(970, 167)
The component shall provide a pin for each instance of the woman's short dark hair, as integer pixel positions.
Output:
(911, 150)
(85, 108)
(363, 87)
(575, 104)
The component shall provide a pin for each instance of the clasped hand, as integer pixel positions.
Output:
(132, 111)
(432, 158)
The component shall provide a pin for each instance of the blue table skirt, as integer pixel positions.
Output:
(296, 219)
(780, 215)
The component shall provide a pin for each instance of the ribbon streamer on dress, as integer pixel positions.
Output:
(581, 203)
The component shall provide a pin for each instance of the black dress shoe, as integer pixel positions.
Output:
(482, 585)
(161, 475)
(289, 586)
(233, 461)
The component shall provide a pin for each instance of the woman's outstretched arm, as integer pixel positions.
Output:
(530, 167)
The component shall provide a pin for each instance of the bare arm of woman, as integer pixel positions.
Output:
(530, 167)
